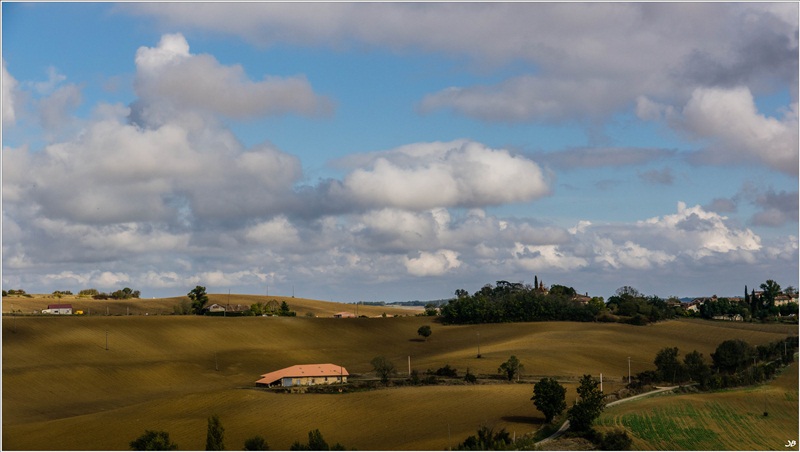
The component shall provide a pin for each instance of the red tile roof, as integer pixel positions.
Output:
(304, 370)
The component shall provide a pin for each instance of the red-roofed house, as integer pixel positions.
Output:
(58, 309)
(305, 375)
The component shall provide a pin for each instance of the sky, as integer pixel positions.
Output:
(399, 151)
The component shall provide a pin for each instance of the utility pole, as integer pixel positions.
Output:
(601, 381)
(409, 365)
(629, 370)
(479, 344)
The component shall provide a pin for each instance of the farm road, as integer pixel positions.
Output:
(565, 425)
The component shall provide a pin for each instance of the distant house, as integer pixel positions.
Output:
(58, 309)
(216, 307)
(730, 317)
(344, 315)
(784, 299)
(305, 375)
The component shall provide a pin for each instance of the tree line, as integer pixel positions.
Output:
(733, 363)
(518, 302)
(215, 440)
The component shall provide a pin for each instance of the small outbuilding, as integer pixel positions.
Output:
(305, 375)
(58, 309)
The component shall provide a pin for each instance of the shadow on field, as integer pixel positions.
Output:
(416, 340)
(523, 419)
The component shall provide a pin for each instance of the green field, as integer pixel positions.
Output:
(63, 390)
(725, 420)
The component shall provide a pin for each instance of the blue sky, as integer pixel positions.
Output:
(396, 151)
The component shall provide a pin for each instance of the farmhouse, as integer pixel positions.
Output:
(216, 308)
(60, 309)
(305, 375)
(344, 315)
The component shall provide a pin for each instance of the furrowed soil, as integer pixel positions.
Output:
(63, 390)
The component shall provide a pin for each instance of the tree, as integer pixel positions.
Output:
(732, 355)
(696, 368)
(510, 368)
(771, 290)
(199, 299)
(549, 397)
(668, 366)
(424, 331)
(315, 442)
(153, 440)
(215, 435)
(383, 368)
(589, 406)
(256, 443)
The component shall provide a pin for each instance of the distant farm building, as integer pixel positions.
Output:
(216, 308)
(59, 309)
(305, 375)
(344, 315)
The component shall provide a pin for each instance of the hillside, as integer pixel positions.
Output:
(63, 390)
(164, 306)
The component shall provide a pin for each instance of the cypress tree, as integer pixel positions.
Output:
(535, 282)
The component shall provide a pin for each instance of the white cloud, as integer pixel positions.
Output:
(433, 264)
(170, 77)
(107, 280)
(460, 173)
(739, 133)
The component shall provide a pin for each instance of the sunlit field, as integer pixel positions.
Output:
(62, 389)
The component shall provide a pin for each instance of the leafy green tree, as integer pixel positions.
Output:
(199, 299)
(424, 331)
(771, 290)
(383, 368)
(431, 310)
(215, 436)
(549, 397)
(256, 443)
(153, 440)
(696, 368)
(668, 366)
(590, 404)
(510, 368)
(487, 439)
(732, 355)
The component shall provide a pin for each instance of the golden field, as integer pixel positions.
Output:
(63, 390)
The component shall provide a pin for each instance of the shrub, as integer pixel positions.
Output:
(616, 440)
(447, 371)
(153, 440)
(470, 378)
(256, 443)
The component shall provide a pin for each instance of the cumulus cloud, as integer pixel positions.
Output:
(454, 174)
(433, 264)
(169, 76)
(739, 133)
